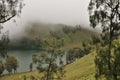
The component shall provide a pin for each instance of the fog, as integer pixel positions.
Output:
(70, 12)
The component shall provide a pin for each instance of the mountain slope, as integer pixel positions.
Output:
(35, 33)
(81, 69)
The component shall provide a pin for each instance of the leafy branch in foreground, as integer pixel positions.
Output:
(8, 10)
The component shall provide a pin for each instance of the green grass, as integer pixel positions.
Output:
(82, 69)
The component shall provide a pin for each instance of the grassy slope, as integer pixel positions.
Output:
(82, 69)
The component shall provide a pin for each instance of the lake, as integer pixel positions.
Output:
(25, 58)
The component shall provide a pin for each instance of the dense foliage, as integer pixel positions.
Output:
(106, 14)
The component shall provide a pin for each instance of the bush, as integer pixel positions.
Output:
(11, 64)
(74, 54)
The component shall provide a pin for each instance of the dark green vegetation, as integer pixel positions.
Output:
(106, 14)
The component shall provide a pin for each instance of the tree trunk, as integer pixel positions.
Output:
(110, 46)
(14, 71)
(48, 70)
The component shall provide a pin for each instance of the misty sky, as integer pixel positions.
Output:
(70, 12)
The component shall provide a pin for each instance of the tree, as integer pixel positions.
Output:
(31, 66)
(73, 54)
(8, 10)
(86, 48)
(95, 40)
(54, 52)
(106, 13)
(1, 67)
(34, 58)
(56, 34)
(4, 45)
(11, 64)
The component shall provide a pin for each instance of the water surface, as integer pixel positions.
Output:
(24, 58)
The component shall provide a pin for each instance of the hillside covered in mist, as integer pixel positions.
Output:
(35, 33)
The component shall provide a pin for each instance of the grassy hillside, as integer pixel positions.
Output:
(83, 35)
(82, 69)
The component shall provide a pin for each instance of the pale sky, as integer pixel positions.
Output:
(70, 12)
